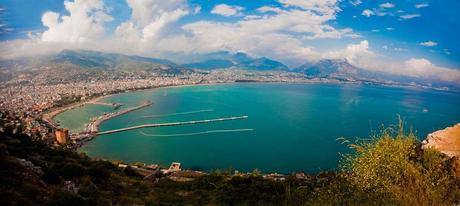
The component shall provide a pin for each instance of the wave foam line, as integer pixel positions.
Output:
(180, 113)
(196, 133)
(168, 115)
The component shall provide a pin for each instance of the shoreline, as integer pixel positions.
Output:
(97, 98)
(93, 126)
(50, 115)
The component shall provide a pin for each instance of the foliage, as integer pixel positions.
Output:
(388, 169)
(393, 166)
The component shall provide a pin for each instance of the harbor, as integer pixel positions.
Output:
(172, 124)
(92, 128)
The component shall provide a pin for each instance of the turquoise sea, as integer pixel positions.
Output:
(291, 127)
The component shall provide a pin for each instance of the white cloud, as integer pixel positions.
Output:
(400, 49)
(265, 9)
(409, 16)
(428, 44)
(227, 10)
(387, 5)
(279, 33)
(150, 21)
(390, 29)
(285, 33)
(423, 68)
(85, 22)
(419, 6)
(197, 10)
(367, 12)
(322, 6)
(386, 47)
(361, 56)
(355, 2)
(353, 53)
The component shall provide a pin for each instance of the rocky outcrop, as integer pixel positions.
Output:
(446, 141)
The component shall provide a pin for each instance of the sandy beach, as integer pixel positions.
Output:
(49, 116)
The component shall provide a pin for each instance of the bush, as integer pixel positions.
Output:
(393, 166)
(65, 198)
(68, 170)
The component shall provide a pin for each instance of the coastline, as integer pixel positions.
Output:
(140, 91)
(87, 135)
(50, 115)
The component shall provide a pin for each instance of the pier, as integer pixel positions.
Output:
(114, 105)
(93, 126)
(172, 124)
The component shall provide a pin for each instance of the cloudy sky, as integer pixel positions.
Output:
(416, 38)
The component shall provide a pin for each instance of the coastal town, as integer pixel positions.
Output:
(30, 103)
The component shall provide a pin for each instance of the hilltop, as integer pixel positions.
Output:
(387, 170)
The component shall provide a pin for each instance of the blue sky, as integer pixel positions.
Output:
(425, 31)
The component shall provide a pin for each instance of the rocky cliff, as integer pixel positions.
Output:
(446, 141)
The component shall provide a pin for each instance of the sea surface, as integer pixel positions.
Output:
(291, 127)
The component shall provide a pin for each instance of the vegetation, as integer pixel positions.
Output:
(388, 169)
(393, 166)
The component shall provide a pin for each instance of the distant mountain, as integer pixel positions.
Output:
(210, 64)
(93, 59)
(341, 69)
(224, 60)
(328, 68)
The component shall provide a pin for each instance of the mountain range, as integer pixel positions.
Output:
(225, 60)
(339, 69)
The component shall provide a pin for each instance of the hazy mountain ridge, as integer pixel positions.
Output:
(343, 70)
(89, 61)
(224, 60)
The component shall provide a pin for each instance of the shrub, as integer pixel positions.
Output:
(393, 166)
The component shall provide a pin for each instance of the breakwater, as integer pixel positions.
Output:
(93, 126)
(172, 124)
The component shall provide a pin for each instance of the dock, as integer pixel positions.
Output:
(172, 124)
(114, 105)
(93, 126)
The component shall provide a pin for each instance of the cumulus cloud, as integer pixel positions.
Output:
(278, 32)
(285, 33)
(353, 53)
(227, 10)
(409, 16)
(425, 69)
(361, 56)
(85, 22)
(428, 43)
(150, 18)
